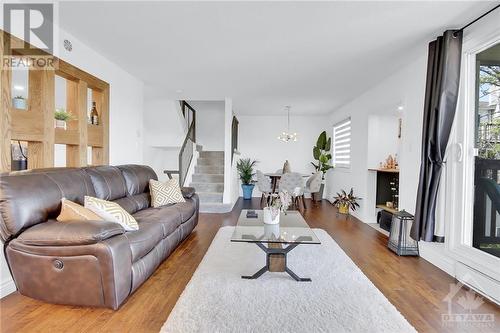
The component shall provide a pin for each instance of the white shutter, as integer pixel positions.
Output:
(341, 153)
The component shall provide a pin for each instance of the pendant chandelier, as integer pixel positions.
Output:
(288, 136)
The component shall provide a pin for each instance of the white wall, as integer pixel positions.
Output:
(382, 138)
(164, 132)
(406, 86)
(209, 124)
(125, 100)
(258, 140)
(126, 115)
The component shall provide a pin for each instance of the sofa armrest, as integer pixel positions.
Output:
(188, 192)
(55, 233)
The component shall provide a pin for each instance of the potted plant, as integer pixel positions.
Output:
(61, 117)
(346, 201)
(19, 102)
(275, 204)
(245, 170)
(321, 153)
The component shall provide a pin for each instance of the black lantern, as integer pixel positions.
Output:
(399, 240)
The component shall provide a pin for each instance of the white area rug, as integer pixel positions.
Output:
(340, 297)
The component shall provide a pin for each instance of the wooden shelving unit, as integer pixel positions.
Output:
(385, 170)
(36, 124)
(388, 209)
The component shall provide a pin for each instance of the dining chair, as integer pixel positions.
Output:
(293, 183)
(313, 184)
(263, 184)
(286, 167)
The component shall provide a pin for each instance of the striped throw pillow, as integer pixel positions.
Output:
(111, 211)
(165, 193)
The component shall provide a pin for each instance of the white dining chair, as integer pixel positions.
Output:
(293, 183)
(313, 184)
(263, 184)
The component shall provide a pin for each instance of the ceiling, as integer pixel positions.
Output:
(314, 56)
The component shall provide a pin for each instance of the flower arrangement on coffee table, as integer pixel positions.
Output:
(275, 204)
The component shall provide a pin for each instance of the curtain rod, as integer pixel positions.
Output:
(477, 19)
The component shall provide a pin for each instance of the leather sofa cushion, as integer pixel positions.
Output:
(54, 233)
(108, 182)
(168, 217)
(144, 239)
(29, 198)
(137, 178)
(186, 209)
(134, 203)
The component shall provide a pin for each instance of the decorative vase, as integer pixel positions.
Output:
(319, 196)
(344, 209)
(268, 216)
(247, 191)
(19, 103)
(272, 231)
(60, 124)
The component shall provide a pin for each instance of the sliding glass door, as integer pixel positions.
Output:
(486, 215)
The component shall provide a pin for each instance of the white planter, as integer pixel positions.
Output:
(18, 103)
(60, 124)
(268, 217)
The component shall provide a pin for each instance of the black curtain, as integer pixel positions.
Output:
(441, 92)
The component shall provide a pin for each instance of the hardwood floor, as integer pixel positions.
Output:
(414, 286)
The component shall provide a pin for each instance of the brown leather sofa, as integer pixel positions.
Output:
(89, 263)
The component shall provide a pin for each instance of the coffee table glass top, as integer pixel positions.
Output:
(292, 229)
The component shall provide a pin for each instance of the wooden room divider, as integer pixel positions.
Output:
(35, 124)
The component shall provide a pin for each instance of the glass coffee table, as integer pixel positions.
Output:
(280, 239)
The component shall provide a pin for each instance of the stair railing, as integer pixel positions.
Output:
(186, 151)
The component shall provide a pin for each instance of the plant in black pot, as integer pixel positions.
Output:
(346, 201)
(321, 153)
(245, 168)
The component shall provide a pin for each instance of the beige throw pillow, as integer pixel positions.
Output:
(165, 193)
(111, 211)
(71, 211)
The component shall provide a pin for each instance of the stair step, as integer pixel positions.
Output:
(208, 187)
(211, 161)
(212, 154)
(204, 178)
(210, 197)
(209, 169)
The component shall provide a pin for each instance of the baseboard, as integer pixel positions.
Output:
(434, 253)
(479, 282)
(7, 287)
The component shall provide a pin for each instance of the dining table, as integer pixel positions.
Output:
(276, 176)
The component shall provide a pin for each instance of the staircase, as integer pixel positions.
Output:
(208, 179)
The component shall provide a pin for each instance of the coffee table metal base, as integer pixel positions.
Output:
(276, 257)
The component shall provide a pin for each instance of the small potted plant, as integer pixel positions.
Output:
(19, 102)
(275, 204)
(346, 201)
(321, 153)
(245, 170)
(61, 117)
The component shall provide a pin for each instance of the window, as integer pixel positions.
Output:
(342, 144)
(486, 207)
